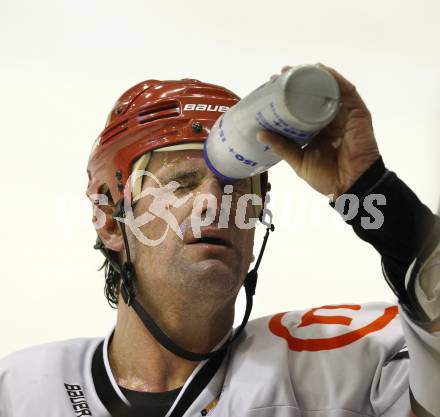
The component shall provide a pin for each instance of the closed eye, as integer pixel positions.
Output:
(183, 186)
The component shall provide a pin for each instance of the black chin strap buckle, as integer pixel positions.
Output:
(127, 286)
(250, 282)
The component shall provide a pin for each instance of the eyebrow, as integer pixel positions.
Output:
(184, 174)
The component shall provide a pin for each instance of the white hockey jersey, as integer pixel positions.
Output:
(333, 361)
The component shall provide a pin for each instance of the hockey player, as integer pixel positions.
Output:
(173, 351)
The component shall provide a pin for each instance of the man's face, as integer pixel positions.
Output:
(213, 266)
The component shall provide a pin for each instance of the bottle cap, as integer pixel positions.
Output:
(312, 95)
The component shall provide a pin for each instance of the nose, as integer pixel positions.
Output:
(212, 188)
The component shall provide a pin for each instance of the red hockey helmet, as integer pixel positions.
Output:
(151, 115)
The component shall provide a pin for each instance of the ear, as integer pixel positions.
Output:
(107, 227)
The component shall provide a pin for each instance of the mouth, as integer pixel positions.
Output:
(211, 241)
(213, 238)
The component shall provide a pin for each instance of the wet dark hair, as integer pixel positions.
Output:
(112, 283)
(112, 276)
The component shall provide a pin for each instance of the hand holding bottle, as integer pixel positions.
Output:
(340, 153)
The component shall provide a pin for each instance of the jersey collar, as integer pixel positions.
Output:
(202, 388)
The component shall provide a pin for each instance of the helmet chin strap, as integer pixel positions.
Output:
(128, 292)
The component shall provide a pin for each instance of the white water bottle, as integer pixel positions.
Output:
(297, 104)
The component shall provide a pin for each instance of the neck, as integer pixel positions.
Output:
(140, 363)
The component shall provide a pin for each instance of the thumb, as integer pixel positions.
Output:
(285, 148)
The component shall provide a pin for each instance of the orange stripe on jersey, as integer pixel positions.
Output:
(310, 317)
(314, 345)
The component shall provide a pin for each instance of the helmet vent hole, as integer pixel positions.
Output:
(114, 130)
(159, 111)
